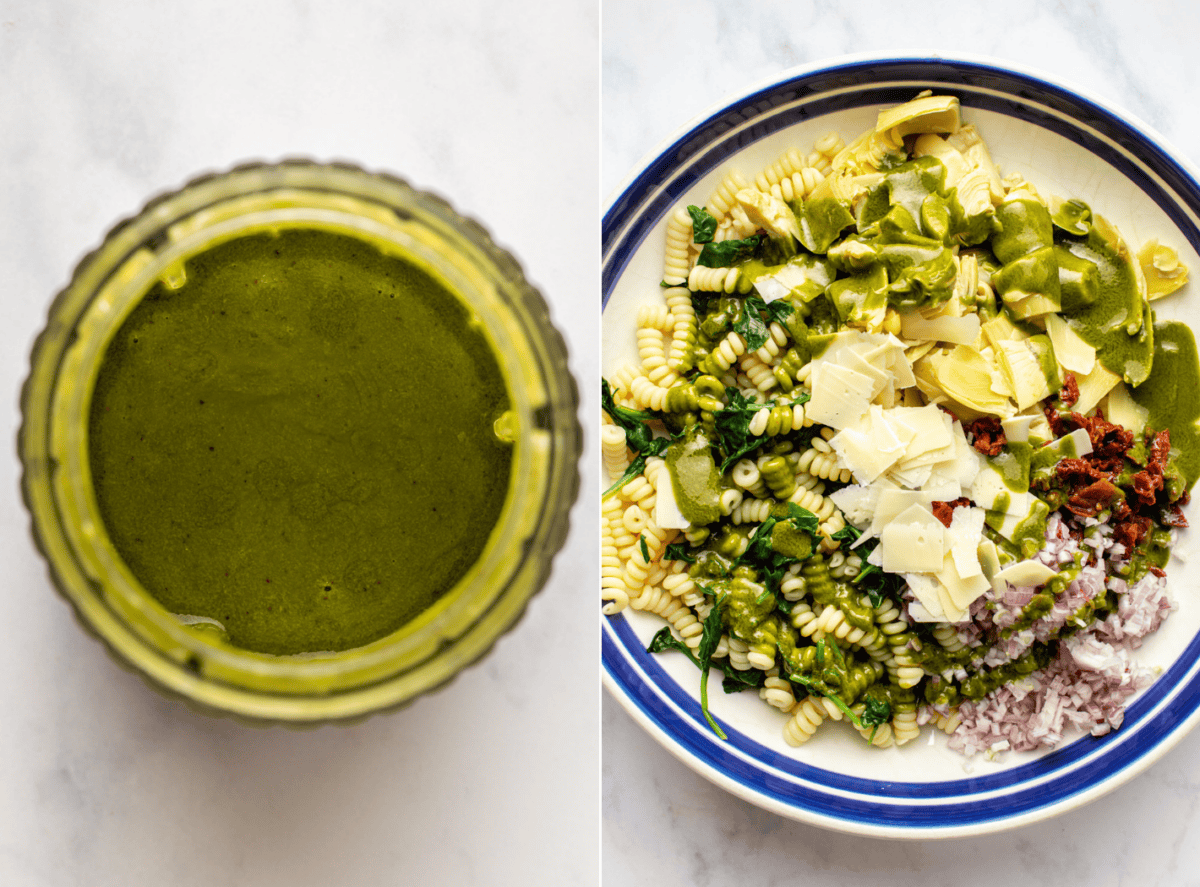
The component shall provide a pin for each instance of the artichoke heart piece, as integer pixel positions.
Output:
(1072, 216)
(870, 152)
(1162, 269)
(1023, 371)
(964, 376)
(861, 299)
(1072, 353)
(1024, 227)
(770, 213)
(1093, 387)
(1029, 285)
(820, 222)
(924, 114)
(932, 145)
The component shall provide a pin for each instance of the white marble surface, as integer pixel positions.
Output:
(663, 64)
(492, 780)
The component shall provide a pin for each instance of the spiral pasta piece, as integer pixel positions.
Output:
(777, 692)
(788, 163)
(739, 653)
(747, 476)
(683, 327)
(905, 727)
(751, 511)
(802, 182)
(729, 500)
(761, 376)
(673, 610)
(655, 316)
(947, 636)
(725, 197)
(614, 450)
(823, 465)
(818, 504)
(679, 245)
(654, 360)
(777, 340)
(702, 279)
(879, 735)
(833, 622)
(777, 475)
(647, 395)
(806, 717)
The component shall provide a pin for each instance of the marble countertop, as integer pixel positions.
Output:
(662, 65)
(490, 780)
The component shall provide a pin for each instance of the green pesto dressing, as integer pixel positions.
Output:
(1114, 323)
(298, 443)
(1172, 394)
(695, 479)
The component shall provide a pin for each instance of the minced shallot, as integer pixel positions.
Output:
(1092, 675)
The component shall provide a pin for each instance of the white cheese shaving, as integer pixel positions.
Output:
(914, 542)
(666, 509)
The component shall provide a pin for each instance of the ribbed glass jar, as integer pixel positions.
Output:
(465, 621)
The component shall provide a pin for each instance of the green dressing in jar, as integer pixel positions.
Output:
(297, 442)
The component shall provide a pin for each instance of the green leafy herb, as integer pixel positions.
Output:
(639, 437)
(779, 311)
(847, 534)
(708, 645)
(750, 324)
(735, 681)
(877, 712)
(804, 519)
(644, 549)
(733, 427)
(636, 467)
(704, 226)
(728, 253)
(664, 640)
(679, 551)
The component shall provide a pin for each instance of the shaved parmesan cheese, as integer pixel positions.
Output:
(781, 283)
(839, 395)
(857, 503)
(666, 509)
(914, 542)
(963, 538)
(892, 503)
(925, 589)
(1026, 573)
(963, 590)
(1016, 428)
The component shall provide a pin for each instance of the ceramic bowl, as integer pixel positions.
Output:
(1064, 142)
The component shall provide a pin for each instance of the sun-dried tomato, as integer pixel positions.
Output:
(1172, 516)
(1147, 484)
(987, 435)
(1092, 499)
(1069, 393)
(944, 511)
(1160, 451)
(1077, 471)
(1132, 531)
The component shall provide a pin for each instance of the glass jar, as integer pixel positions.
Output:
(465, 621)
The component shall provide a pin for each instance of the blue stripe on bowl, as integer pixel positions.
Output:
(1056, 778)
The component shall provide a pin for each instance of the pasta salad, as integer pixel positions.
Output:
(904, 444)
